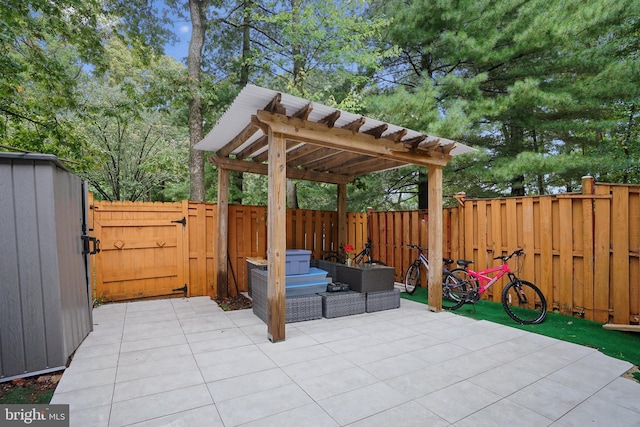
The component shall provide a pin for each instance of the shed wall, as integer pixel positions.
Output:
(44, 309)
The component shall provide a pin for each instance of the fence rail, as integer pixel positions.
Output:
(583, 250)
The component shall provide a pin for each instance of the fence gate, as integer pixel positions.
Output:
(142, 250)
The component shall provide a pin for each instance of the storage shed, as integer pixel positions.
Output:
(45, 298)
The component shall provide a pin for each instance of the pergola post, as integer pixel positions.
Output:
(435, 237)
(223, 233)
(342, 215)
(276, 237)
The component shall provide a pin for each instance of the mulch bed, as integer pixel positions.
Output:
(233, 302)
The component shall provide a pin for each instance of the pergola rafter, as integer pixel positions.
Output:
(282, 136)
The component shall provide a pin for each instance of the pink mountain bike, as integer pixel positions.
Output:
(522, 300)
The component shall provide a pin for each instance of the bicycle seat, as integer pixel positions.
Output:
(447, 261)
(464, 262)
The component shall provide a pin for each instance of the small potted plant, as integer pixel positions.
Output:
(348, 249)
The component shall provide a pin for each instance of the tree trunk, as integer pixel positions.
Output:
(246, 42)
(296, 50)
(237, 178)
(517, 186)
(196, 131)
(292, 194)
(423, 190)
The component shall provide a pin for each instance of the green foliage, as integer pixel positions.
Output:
(135, 148)
(537, 85)
(43, 46)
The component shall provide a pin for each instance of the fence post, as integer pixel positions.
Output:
(588, 250)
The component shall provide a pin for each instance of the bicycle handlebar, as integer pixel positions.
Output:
(412, 246)
(505, 258)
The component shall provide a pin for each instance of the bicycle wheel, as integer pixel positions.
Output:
(454, 291)
(524, 302)
(412, 278)
(470, 283)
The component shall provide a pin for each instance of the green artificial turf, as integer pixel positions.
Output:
(621, 345)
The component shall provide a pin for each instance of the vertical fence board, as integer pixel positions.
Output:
(588, 256)
(565, 284)
(634, 254)
(528, 239)
(620, 254)
(546, 251)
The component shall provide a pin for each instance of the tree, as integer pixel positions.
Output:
(537, 77)
(44, 46)
(132, 136)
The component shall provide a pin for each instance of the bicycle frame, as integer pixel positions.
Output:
(424, 260)
(486, 281)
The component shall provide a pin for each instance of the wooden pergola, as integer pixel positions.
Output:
(282, 136)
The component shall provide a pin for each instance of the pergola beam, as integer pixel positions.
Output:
(346, 140)
(263, 169)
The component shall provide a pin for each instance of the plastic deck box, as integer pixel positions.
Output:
(297, 261)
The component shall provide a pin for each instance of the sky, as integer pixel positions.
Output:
(179, 50)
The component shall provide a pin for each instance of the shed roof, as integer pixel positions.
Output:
(323, 143)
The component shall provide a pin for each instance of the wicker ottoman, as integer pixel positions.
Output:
(384, 300)
(298, 308)
(336, 304)
(303, 307)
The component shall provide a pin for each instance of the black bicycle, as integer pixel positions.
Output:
(362, 257)
(450, 284)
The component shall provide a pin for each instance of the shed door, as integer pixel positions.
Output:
(139, 258)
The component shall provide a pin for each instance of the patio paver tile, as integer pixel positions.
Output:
(160, 404)
(598, 412)
(77, 380)
(549, 398)
(125, 390)
(262, 404)
(243, 385)
(85, 398)
(409, 414)
(505, 379)
(202, 416)
(504, 413)
(311, 415)
(153, 354)
(423, 381)
(317, 367)
(393, 366)
(459, 400)
(619, 391)
(153, 343)
(97, 416)
(154, 368)
(338, 382)
(364, 402)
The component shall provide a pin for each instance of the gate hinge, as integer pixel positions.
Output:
(182, 221)
(182, 289)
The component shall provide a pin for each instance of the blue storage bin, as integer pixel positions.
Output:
(297, 261)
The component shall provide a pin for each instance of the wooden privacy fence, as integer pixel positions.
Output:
(156, 249)
(583, 250)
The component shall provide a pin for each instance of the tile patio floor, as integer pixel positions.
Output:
(186, 362)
